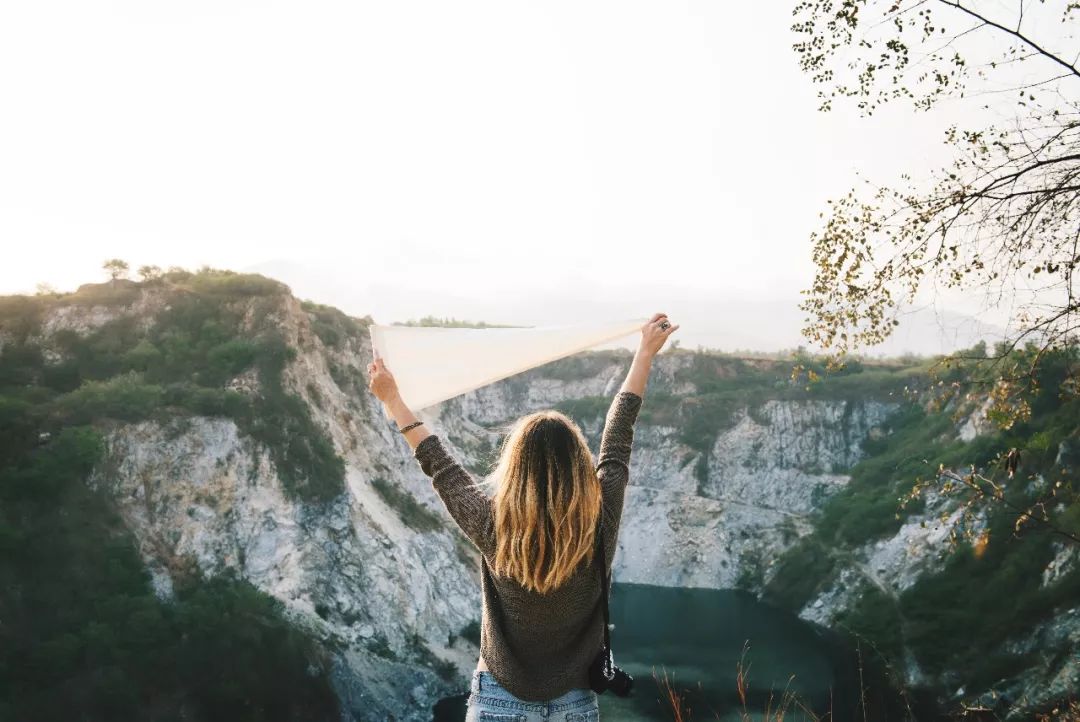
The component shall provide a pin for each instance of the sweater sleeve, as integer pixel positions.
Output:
(618, 436)
(469, 506)
(613, 463)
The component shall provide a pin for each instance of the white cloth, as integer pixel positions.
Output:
(433, 363)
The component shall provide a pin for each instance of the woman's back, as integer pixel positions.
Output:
(539, 646)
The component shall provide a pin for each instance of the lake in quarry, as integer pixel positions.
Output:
(696, 637)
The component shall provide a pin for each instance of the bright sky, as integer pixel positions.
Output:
(428, 149)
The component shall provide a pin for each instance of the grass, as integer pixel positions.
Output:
(876, 698)
(775, 709)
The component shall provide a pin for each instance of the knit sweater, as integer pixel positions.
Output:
(537, 646)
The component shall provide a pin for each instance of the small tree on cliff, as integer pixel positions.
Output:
(116, 268)
(149, 273)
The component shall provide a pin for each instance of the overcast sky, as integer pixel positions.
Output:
(429, 150)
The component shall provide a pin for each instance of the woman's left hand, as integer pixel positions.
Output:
(381, 382)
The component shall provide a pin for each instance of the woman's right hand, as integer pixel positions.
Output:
(653, 337)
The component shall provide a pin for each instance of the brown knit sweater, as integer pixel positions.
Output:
(538, 646)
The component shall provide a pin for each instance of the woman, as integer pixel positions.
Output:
(542, 622)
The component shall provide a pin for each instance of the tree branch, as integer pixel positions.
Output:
(1015, 33)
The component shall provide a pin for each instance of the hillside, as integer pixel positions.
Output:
(204, 511)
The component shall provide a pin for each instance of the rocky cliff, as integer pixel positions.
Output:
(724, 482)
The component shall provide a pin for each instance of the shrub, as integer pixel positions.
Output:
(379, 646)
(20, 316)
(196, 345)
(471, 632)
(330, 324)
(214, 282)
(20, 365)
(125, 397)
(444, 668)
(118, 292)
(84, 629)
(800, 572)
(586, 409)
(414, 514)
(228, 359)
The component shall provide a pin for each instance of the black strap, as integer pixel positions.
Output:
(604, 593)
(604, 581)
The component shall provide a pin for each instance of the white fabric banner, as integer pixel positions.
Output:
(433, 363)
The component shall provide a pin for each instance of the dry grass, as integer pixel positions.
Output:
(777, 709)
(1069, 712)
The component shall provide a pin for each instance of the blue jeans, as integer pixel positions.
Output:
(490, 702)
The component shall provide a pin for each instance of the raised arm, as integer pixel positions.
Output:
(613, 462)
(618, 436)
(618, 432)
(468, 505)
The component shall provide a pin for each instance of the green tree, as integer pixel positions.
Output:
(1002, 216)
(116, 268)
(150, 273)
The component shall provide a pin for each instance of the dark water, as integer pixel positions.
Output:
(696, 638)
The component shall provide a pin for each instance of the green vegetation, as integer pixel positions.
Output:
(331, 325)
(450, 322)
(116, 268)
(378, 645)
(867, 508)
(471, 632)
(801, 573)
(951, 621)
(227, 284)
(413, 513)
(978, 601)
(956, 619)
(585, 408)
(119, 292)
(214, 326)
(751, 570)
(876, 617)
(580, 366)
(83, 629)
(304, 456)
(725, 385)
(444, 668)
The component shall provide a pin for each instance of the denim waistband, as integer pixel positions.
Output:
(485, 686)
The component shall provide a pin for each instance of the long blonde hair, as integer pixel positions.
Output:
(547, 501)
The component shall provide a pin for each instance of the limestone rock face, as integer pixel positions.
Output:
(388, 601)
(200, 495)
(391, 601)
(763, 477)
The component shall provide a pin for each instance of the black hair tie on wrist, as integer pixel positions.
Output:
(413, 425)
